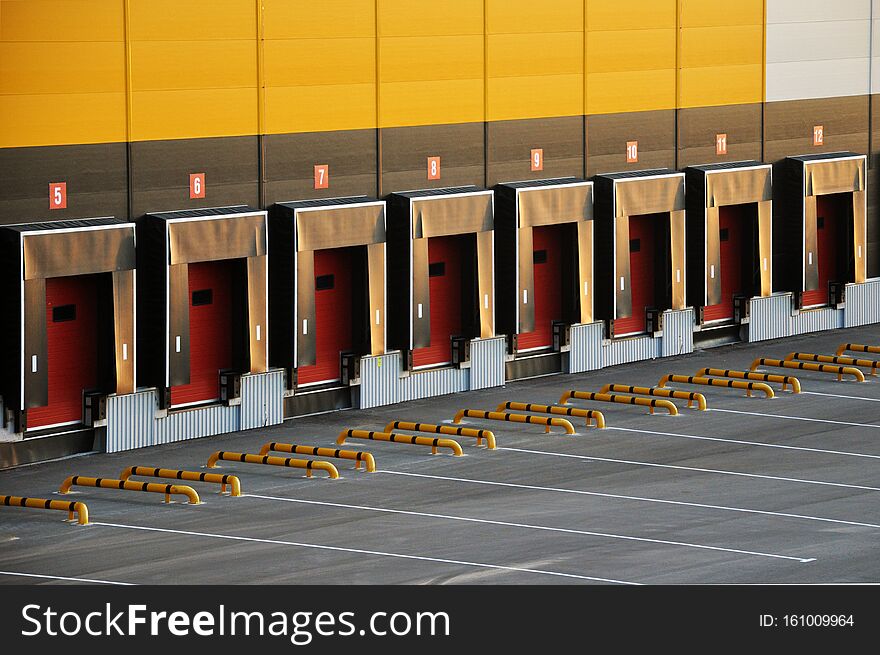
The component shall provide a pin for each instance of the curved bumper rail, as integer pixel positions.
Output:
(189, 476)
(690, 396)
(785, 380)
(547, 422)
(479, 434)
(588, 414)
(130, 485)
(857, 348)
(829, 359)
(839, 371)
(651, 403)
(715, 382)
(395, 437)
(267, 460)
(80, 509)
(359, 456)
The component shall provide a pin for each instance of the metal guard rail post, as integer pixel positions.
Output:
(690, 396)
(268, 460)
(129, 485)
(516, 418)
(714, 382)
(359, 456)
(839, 371)
(395, 437)
(189, 476)
(829, 359)
(479, 434)
(81, 510)
(857, 348)
(588, 414)
(785, 380)
(650, 403)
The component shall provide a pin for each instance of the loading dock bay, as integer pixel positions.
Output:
(753, 490)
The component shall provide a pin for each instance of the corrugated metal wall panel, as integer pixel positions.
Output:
(130, 421)
(262, 399)
(862, 304)
(814, 320)
(487, 362)
(439, 382)
(630, 350)
(380, 380)
(678, 332)
(770, 318)
(194, 423)
(586, 347)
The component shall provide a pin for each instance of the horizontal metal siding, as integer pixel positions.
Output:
(380, 380)
(862, 304)
(586, 347)
(131, 421)
(439, 382)
(487, 362)
(262, 399)
(194, 423)
(770, 317)
(678, 332)
(814, 320)
(630, 350)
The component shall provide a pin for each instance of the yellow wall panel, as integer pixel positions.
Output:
(630, 51)
(177, 20)
(320, 108)
(319, 61)
(720, 85)
(431, 102)
(630, 91)
(631, 14)
(86, 67)
(516, 55)
(705, 13)
(61, 119)
(285, 19)
(519, 16)
(721, 46)
(535, 97)
(408, 59)
(62, 20)
(165, 65)
(193, 113)
(422, 18)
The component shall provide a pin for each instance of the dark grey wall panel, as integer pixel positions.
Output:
(607, 135)
(509, 146)
(698, 127)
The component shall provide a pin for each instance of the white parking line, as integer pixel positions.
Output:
(758, 444)
(361, 551)
(838, 395)
(529, 526)
(795, 418)
(661, 501)
(692, 468)
(61, 577)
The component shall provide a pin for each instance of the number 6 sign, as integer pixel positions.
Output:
(196, 185)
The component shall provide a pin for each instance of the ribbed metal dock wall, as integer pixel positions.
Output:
(770, 317)
(262, 399)
(862, 303)
(635, 349)
(380, 380)
(814, 320)
(439, 382)
(487, 362)
(130, 420)
(586, 347)
(678, 332)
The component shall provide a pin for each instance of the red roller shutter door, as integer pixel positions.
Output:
(827, 246)
(731, 227)
(72, 347)
(210, 331)
(641, 274)
(333, 321)
(547, 247)
(444, 284)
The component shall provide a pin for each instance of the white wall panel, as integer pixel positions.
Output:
(817, 79)
(789, 11)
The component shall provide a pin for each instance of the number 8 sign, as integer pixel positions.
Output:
(433, 168)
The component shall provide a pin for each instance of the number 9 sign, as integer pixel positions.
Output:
(537, 159)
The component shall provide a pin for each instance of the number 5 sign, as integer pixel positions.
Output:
(196, 185)
(57, 195)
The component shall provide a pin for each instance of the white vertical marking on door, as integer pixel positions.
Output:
(33, 364)
(420, 310)
(124, 351)
(305, 326)
(525, 296)
(177, 344)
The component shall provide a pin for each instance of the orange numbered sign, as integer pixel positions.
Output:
(818, 135)
(57, 195)
(322, 176)
(632, 152)
(720, 144)
(433, 168)
(196, 185)
(537, 161)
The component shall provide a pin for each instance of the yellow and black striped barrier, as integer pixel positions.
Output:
(785, 380)
(691, 396)
(857, 348)
(588, 414)
(129, 485)
(837, 359)
(359, 456)
(393, 437)
(80, 509)
(547, 422)
(268, 460)
(715, 382)
(477, 433)
(190, 476)
(839, 371)
(650, 403)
